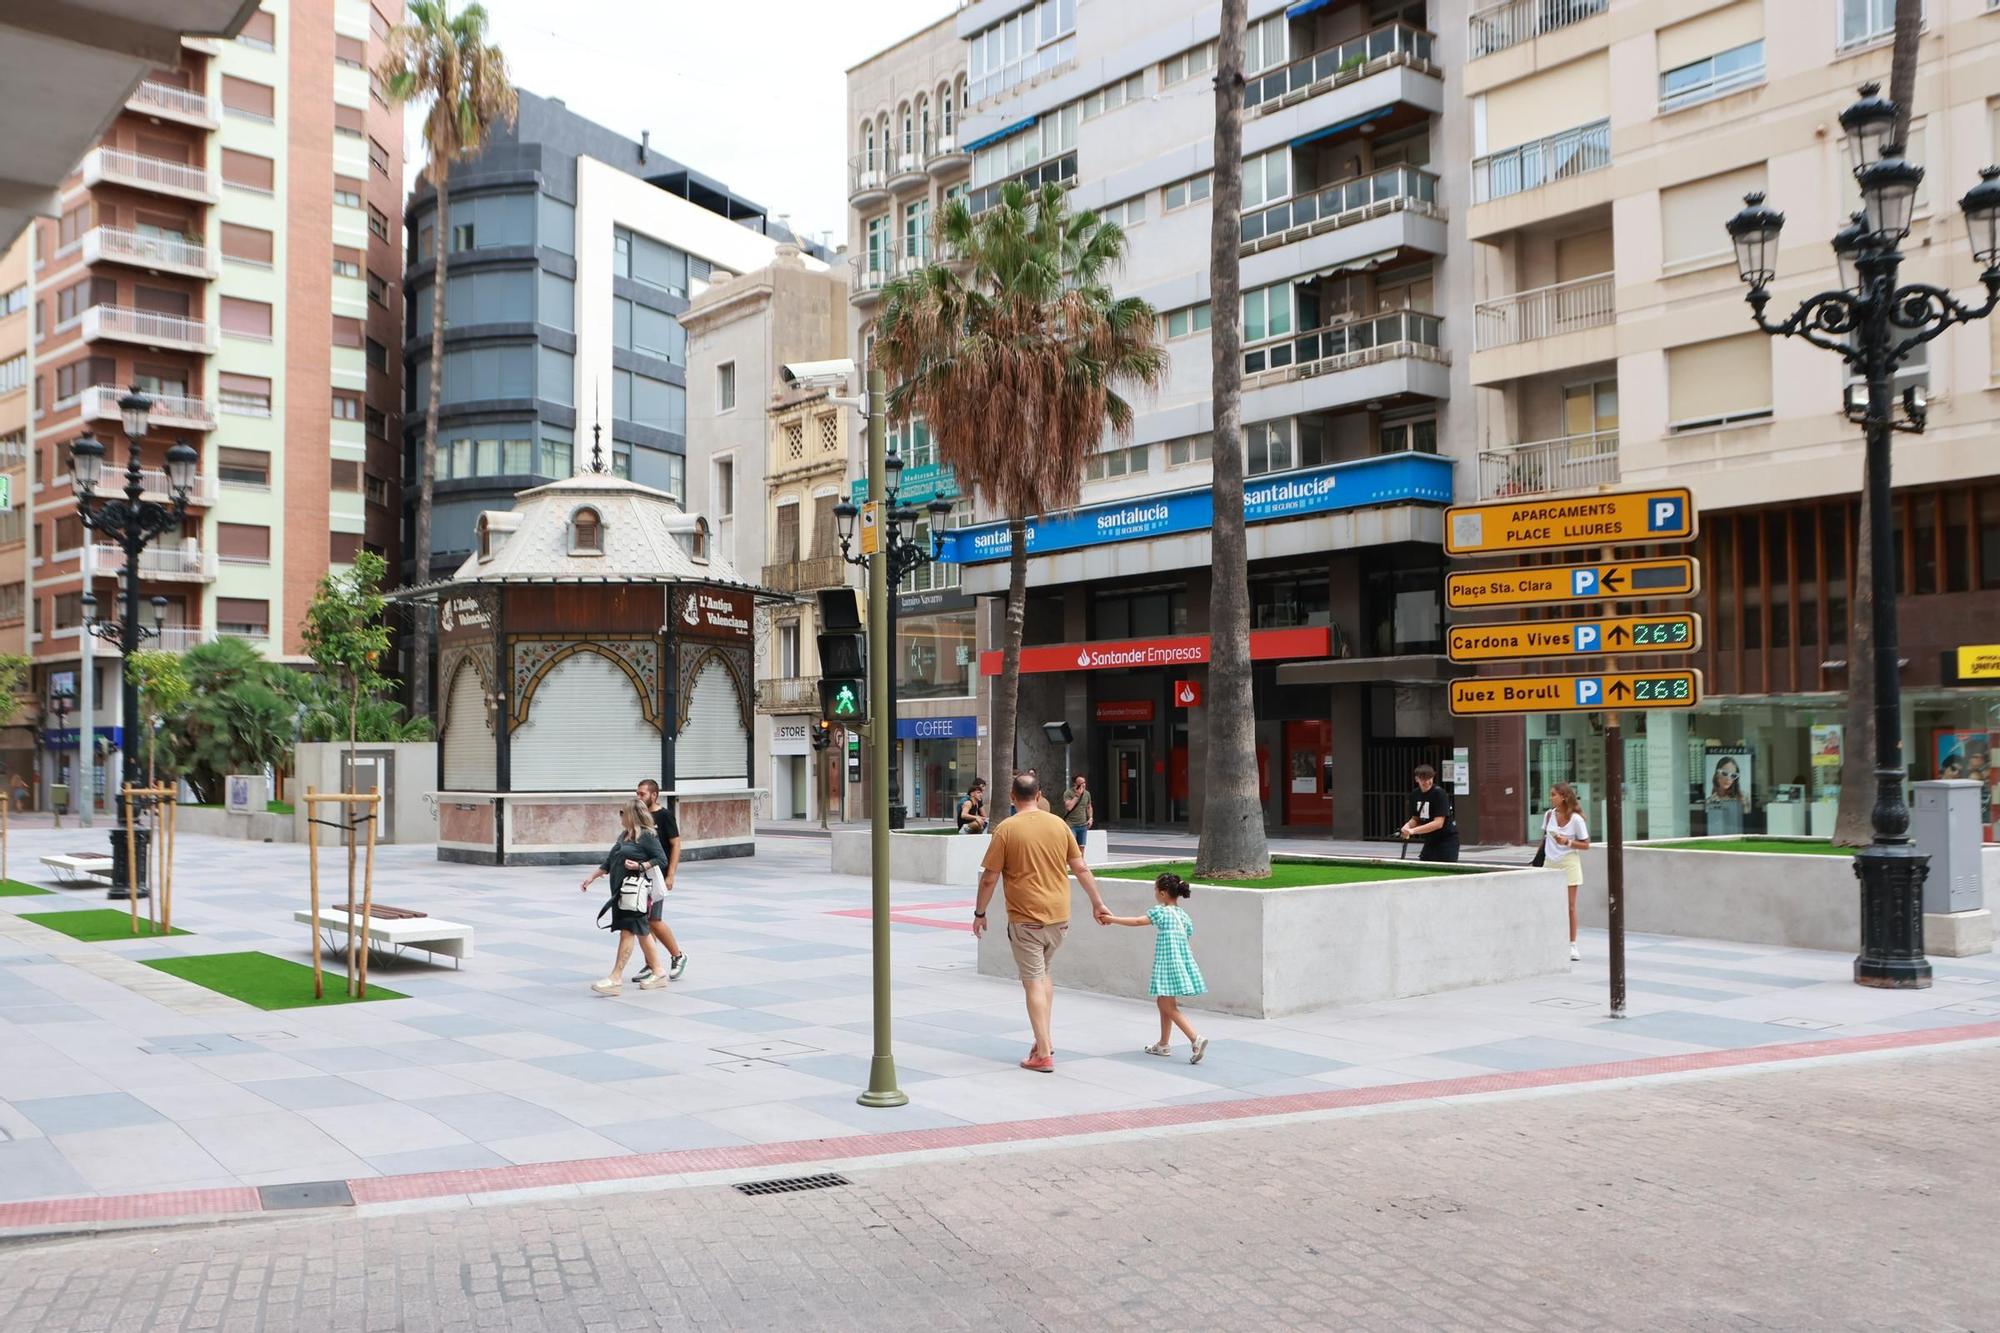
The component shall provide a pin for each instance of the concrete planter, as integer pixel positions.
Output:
(407, 769)
(219, 823)
(933, 858)
(1266, 953)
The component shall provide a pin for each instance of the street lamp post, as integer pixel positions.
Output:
(1874, 325)
(61, 704)
(131, 523)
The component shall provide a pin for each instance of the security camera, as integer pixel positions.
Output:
(819, 374)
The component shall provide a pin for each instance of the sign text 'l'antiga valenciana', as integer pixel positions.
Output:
(1481, 696)
(1620, 518)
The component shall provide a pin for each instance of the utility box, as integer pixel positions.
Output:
(1944, 824)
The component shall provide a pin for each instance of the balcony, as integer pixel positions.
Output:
(155, 254)
(1353, 342)
(906, 171)
(180, 562)
(867, 182)
(807, 575)
(1497, 27)
(1341, 204)
(1570, 463)
(167, 102)
(943, 156)
(1356, 58)
(1545, 312)
(113, 166)
(788, 694)
(171, 638)
(170, 411)
(871, 272)
(1530, 166)
(148, 328)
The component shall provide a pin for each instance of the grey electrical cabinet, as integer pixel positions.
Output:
(1944, 823)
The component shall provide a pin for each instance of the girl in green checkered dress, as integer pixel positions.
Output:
(1174, 971)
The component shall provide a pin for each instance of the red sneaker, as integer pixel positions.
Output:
(1044, 1065)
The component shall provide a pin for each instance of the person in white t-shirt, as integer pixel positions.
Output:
(1564, 835)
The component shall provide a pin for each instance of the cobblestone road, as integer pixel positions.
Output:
(1857, 1195)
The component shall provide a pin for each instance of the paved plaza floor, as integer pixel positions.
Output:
(117, 1081)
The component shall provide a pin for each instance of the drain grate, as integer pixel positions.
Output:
(793, 1184)
(306, 1194)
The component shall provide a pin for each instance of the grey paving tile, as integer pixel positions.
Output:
(100, 1110)
(461, 1157)
(37, 1169)
(668, 1134)
(595, 1067)
(748, 1020)
(1537, 1053)
(486, 1116)
(307, 1094)
(1699, 1029)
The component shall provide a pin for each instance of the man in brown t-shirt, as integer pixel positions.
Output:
(1034, 854)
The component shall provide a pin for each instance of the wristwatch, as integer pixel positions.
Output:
(981, 915)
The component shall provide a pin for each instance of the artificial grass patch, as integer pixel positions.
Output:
(1784, 846)
(272, 807)
(98, 924)
(265, 982)
(1288, 874)
(14, 888)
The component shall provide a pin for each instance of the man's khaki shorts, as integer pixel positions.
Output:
(1034, 944)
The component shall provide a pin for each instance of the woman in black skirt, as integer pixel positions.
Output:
(636, 850)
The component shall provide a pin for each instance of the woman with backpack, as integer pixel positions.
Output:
(637, 850)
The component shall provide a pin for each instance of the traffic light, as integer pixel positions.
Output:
(822, 734)
(843, 657)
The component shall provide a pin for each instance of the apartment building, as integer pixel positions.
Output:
(17, 742)
(1612, 346)
(1353, 260)
(230, 248)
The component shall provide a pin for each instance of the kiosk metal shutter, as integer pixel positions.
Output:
(712, 745)
(585, 731)
(469, 763)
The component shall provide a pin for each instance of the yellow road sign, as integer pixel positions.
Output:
(1619, 580)
(1481, 696)
(1619, 518)
(1607, 636)
(871, 527)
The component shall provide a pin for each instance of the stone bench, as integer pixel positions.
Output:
(80, 869)
(432, 935)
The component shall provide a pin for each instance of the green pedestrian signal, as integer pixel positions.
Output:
(844, 702)
(843, 699)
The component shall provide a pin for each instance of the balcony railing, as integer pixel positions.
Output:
(1585, 303)
(1344, 203)
(1351, 342)
(866, 176)
(182, 561)
(166, 100)
(1530, 166)
(942, 151)
(171, 639)
(170, 410)
(1573, 462)
(131, 247)
(1497, 27)
(145, 326)
(788, 694)
(871, 271)
(807, 575)
(146, 173)
(1357, 57)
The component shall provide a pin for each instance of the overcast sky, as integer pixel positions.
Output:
(751, 92)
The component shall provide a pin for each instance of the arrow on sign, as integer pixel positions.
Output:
(1610, 580)
(1619, 690)
(1619, 634)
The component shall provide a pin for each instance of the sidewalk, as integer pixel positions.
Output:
(116, 1081)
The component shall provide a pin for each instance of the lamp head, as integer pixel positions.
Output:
(1889, 194)
(905, 519)
(844, 515)
(1848, 243)
(1981, 206)
(182, 462)
(1754, 232)
(939, 509)
(86, 463)
(135, 407)
(159, 610)
(1868, 126)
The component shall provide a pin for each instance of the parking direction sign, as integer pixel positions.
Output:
(1606, 637)
(1666, 579)
(1485, 696)
(1618, 518)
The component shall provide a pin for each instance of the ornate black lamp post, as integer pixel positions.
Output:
(906, 555)
(1874, 325)
(131, 523)
(60, 705)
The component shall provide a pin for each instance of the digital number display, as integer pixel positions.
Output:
(1660, 633)
(1664, 689)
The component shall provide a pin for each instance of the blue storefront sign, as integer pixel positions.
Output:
(66, 738)
(937, 728)
(1402, 478)
(920, 484)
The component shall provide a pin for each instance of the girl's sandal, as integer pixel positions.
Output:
(1200, 1049)
(1158, 1049)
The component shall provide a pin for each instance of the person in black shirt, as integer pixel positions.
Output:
(669, 831)
(1431, 817)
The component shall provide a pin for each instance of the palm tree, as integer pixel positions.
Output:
(1018, 367)
(448, 60)
(1232, 816)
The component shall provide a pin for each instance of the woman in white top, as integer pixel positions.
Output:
(1563, 837)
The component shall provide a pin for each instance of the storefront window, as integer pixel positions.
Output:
(1288, 603)
(943, 770)
(1405, 607)
(936, 656)
(1139, 615)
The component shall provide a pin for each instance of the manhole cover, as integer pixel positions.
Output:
(793, 1184)
(744, 1066)
(766, 1050)
(306, 1194)
(1563, 1002)
(1806, 1024)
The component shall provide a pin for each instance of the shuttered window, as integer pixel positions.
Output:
(350, 51)
(244, 395)
(347, 332)
(249, 542)
(242, 97)
(584, 695)
(345, 474)
(343, 547)
(251, 245)
(1549, 102)
(785, 542)
(246, 319)
(469, 760)
(1692, 215)
(248, 171)
(347, 120)
(712, 745)
(1720, 381)
(261, 31)
(243, 615)
(243, 467)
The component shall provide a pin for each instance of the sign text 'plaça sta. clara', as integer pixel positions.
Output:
(1481, 696)
(1548, 585)
(1502, 527)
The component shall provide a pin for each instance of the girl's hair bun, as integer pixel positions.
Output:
(1173, 884)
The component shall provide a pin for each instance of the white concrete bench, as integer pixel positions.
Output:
(432, 935)
(78, 869)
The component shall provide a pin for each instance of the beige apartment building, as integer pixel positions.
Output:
(17, 742)
(1613, 346)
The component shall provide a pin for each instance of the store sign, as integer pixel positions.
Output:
(1503, 527)
(712, 613)
(1187, 694)
(932, 602)
(791, 735)
(1980, 662)
(1484, 696)
(1188, 650)
(456, 613)
(918, 484)
(67, 738)
(1401, 478)
(937, 728)
(1124, 710)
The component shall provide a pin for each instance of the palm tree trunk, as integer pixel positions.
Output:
(1232, 815)
(420, 636)
(1903, 64)
(1007, 696)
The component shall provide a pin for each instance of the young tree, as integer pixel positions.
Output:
(446, 60)
(1017, 367)
(163, 692)
(1232, 817)
(14, 669)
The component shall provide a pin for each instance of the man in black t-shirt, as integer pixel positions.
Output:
(669, 832)
(1431, 817)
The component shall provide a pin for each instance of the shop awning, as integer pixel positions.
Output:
(1304, 7)
(1414, 669)
(997, 135)
(1342, 126)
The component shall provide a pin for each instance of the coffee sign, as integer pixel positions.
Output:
(712, 613)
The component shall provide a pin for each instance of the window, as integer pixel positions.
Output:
(1414, 435)
(342, 547)
(15, 301)
(1126, 213)
(1269, 446)
(378, 223)
(472, 374)
(378, 490)
(346, 262)
(74, 378)
(917, 231)
(1048, 141)
(350, 51)
(643, 259)
(557, 304)
(243, 543)
(69, 610)
(1020, 46)
(245, 617)
(250, 101)
(378, 356)
(378, 421)
(557, 225)
(645, 401)
(1143, 613)
(1266, 43)
(346, 405)
(14, 373)
(1864, 21)
(1187, 64)
(243, 467)
(722, 491)
(78, 297)
(639, 328)
(261, 32)
(12, 600)
(346, 331)
(378, 23)
(556, 457)
(243, 395)
(1267, 312)
(247, 245)
(1718, 382)
(247, 171)
(785, 536)
(1189, 449)
(1131, 88)
(1185, 322)
(246, 319)
(344, 475)
(557, 375)
(1689, 232)
(74, 223)
(586, 533)
(1182, 193)
(1289, 602)
(1712, 76)
(347, 191)
(348, 120)
(1116, 463)
(1267, 177)
(378, 289)
(378, 156)
(725, 387)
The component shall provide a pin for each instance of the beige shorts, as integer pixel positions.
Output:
(1034, 944)
(1572, 867)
